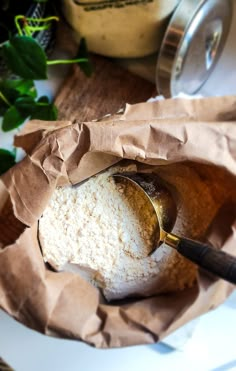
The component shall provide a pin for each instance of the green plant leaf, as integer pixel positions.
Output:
(86, 67)
(3, 105)
(25, 105)
(7, 160)
(25, 57)
(12, 119)
(12, 89)
(41, 110)
(24, 87)
(3, 109)
(44, 111)
(43, 99)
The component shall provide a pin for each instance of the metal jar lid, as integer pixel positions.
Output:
(193, 43)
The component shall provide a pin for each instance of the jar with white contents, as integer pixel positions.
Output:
(174, 43)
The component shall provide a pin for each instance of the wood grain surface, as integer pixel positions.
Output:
(105, 92)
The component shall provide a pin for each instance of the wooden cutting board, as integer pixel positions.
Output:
(105, 92)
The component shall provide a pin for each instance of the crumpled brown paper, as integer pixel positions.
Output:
(64, 304)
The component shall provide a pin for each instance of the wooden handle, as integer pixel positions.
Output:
(214, 261)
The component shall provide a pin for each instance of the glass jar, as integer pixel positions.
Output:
(120, 28)
(175, 43)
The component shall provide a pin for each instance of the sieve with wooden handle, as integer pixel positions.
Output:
(207, 257)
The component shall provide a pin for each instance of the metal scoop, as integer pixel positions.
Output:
(214, 261)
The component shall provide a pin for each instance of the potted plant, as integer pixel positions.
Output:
(23, 53)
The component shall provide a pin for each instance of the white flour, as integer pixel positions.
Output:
(99, 228)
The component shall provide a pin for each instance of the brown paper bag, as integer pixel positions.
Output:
(155, 134)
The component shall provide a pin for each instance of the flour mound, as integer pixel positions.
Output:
(105, 232)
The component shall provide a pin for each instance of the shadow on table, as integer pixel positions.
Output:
(162, 348)
(226, 367)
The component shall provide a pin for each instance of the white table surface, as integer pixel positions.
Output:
(211, 348)
(212, 344)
